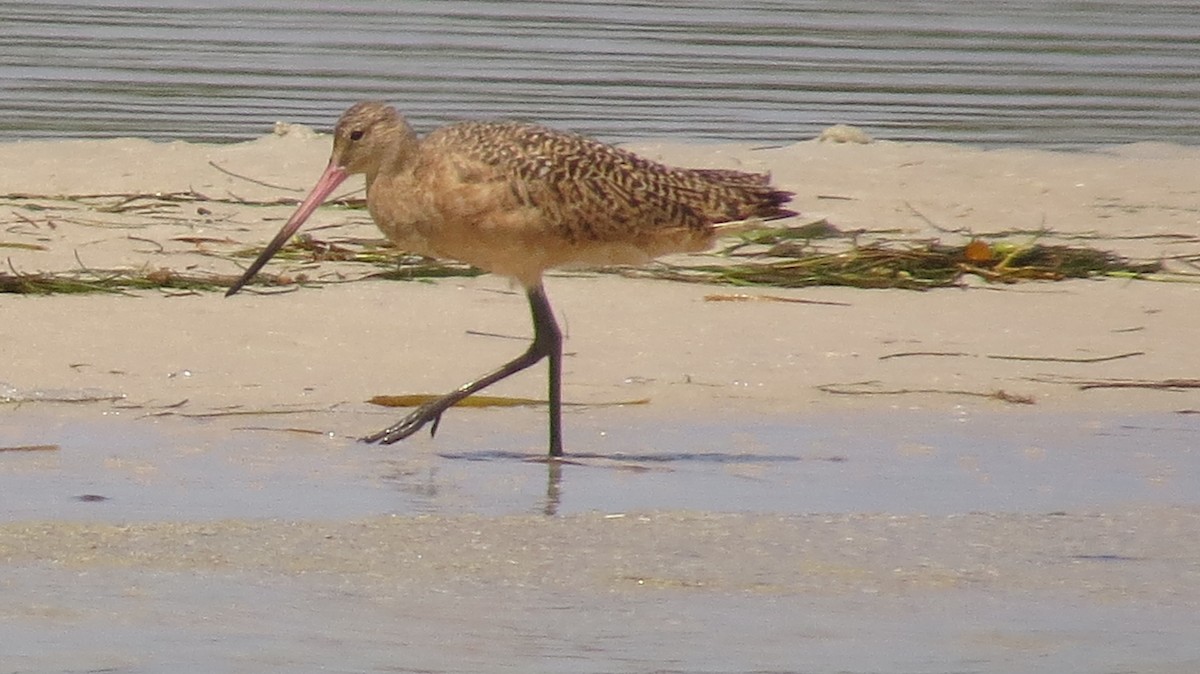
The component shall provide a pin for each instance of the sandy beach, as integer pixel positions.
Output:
(341, 344)
(1100, 348)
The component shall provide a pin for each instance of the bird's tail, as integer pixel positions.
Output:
(772, 205)
(758, 199)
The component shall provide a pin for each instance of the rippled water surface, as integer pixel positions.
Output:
(1031, 72)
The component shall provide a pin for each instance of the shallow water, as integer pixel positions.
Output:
(1051, 74)
(907, 463)
(231, 616)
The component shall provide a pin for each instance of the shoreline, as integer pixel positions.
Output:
(1038, 340)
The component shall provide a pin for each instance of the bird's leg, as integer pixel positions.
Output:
(547, 343)
(545, 325)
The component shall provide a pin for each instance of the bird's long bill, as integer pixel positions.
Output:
(328, 182)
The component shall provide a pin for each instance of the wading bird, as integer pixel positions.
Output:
(518, 199)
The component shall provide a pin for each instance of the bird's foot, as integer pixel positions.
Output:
(408, 425)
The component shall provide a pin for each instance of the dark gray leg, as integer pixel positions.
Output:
(547, 343)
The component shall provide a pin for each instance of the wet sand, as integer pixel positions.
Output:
(1042, 580)
(688, 591)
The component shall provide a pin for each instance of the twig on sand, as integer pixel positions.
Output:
(1171, 384)
(1060, 359)
(252, 180)
(866, 388)
(1035, 359)
(742, 297)
(910, 354)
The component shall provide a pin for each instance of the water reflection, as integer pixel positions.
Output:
(554, 475)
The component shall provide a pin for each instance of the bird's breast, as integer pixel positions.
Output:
(470, 217)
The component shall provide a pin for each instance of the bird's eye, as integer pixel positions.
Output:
(356, 134)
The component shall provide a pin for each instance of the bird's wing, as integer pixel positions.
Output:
(591, 191)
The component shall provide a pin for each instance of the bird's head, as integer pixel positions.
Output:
(368, 138)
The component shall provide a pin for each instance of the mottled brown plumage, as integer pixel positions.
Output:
(518, 199)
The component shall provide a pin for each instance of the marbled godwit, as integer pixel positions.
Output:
(517, 199)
